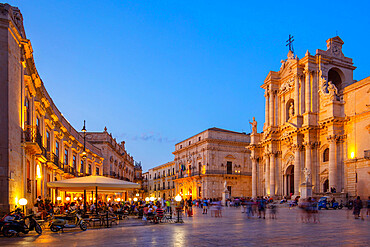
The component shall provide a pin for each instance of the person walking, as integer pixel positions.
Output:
(357, 206)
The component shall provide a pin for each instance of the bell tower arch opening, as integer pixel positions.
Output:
(336, 77)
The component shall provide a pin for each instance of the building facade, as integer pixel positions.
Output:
(161, 181)
(117, 162)
(204, 162)
(317, 127)
(38, 144)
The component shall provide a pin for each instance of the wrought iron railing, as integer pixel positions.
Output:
(212, 172)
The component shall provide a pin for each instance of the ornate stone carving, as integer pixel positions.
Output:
(328, 91)
(286, 86)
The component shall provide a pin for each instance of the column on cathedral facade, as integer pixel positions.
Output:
(254, 175)
(272, 174)
(271, 105)
(267, 173)
(267, 115)
(308, 91)
(297, 169)
(332, 162)
(296, 96)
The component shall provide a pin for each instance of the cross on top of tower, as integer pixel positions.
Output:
(290, 43)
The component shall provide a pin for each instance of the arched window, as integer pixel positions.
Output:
(325, 156)
(335, 78)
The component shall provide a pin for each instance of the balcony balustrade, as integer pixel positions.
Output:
(212, 172)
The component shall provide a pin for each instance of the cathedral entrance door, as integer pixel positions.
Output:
(290, 180)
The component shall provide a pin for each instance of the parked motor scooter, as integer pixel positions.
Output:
(71, 220)
(19, 225)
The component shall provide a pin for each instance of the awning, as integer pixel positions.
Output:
(93, 182)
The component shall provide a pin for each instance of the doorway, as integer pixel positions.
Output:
(290, 180)
(326, 186)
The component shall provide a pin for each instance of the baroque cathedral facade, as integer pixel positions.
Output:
(317, 128)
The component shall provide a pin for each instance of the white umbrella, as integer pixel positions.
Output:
(93, 182)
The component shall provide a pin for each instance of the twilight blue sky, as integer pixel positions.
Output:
(158, 72)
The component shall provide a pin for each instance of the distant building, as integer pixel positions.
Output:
(117, 162)
(204, 162)
(161, 181)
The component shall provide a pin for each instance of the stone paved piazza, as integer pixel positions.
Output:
(336, 228)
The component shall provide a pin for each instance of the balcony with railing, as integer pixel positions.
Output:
(69, 170)
(32, 141)
(212, 172)
(53, 160)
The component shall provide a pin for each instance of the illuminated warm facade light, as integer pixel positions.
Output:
(118, 199)
(135, 199)
(152, 199)
(147, 199)
(68, 198)
(38, 171)
(59, 198)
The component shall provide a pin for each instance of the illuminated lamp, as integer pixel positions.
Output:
(75, 199)
(352, 155)
(147, 199)
(22, 202)
(135, 199)
(152, 199)
(118, 199)
(178, 198)
(68, 198)
(59, 198)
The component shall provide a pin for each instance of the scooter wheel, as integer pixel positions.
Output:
(38, 229)
(54, 228)
(83, 226)
(7, 231)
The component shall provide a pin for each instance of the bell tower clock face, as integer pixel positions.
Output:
(336, 49)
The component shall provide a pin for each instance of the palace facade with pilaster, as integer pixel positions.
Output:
(205, 161)
(37, 143)
(316, 117)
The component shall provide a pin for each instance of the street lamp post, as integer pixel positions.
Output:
(23, 202)
(178, 209)
(84, 158)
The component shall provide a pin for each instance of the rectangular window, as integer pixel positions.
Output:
(74, 161)
(173, 171)
(66, 157)
(48, 143)
(169, 185)
(97, 171)
(155, 187)
(90, 169)
(164, 185)
(57, 149)
(200, 138)
(168, 172)
(82, 167)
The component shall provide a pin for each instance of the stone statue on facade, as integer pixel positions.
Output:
(307, 174)
(291, 110)
(332, 90)
(254, 126)
(225, 186)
